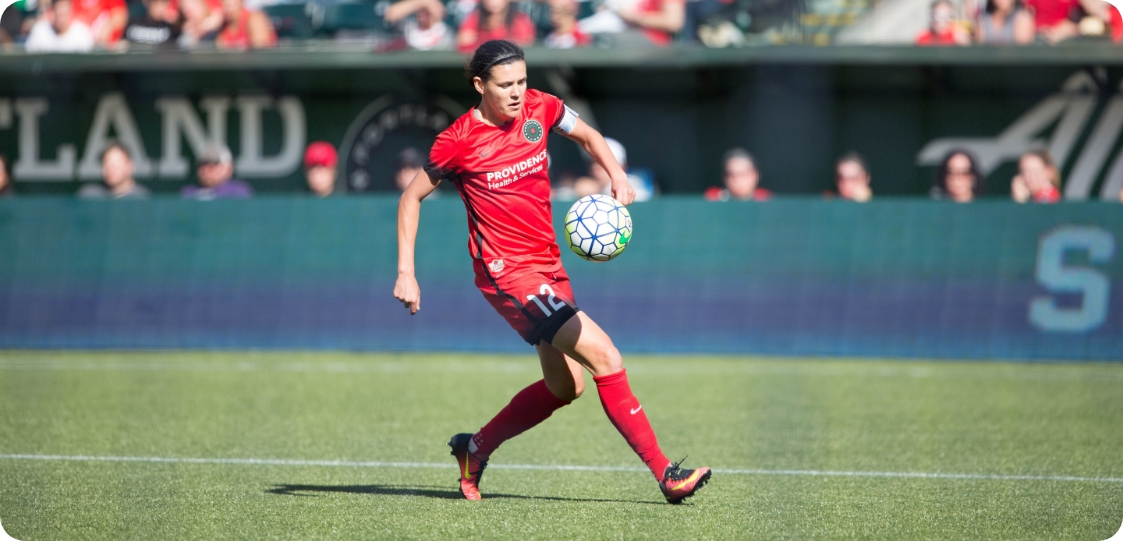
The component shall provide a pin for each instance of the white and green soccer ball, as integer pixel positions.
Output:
(598, 227)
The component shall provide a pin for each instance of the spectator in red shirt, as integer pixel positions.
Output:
(659, 20)
(1055, 22)
(741, 178)
(1037, 180)
(1005, 22)
(566, 35)
(943, 29)
(106, 19)
(243, 28)
(494, 19)
(1050, 18)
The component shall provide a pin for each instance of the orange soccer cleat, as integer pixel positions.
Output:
(679, 483)
(471, 468)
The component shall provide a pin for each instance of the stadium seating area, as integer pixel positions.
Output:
(710, 23)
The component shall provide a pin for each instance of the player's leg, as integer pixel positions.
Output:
(583, 340)
(562, 382)
(564, 376)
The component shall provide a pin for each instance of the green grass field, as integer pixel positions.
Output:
(805, 449)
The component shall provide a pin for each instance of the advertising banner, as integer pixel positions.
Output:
(789, 277)
(674, 122)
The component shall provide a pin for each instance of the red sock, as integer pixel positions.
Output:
(531, 406)
(626, 413)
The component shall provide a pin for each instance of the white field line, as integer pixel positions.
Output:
(888, 370)
(545, 467)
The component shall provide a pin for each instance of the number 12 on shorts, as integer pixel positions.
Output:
(551, 299)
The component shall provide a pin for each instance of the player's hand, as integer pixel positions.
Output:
(408, 293)
(622, 191)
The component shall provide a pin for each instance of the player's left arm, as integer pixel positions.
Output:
(593, 143)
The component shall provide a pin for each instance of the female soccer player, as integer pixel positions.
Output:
(495, 154)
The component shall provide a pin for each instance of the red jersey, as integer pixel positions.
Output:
(238, 36)
(657, 37)
(1049, 194)
(1049, 13)
(96, 14)
(500, 173)
(521, 31)
(928, 37)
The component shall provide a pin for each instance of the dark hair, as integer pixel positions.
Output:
(114, 144)
(737, 152)
(852, 157)
(942, 173)
(991, 8)
(483, 15)
(492, 53)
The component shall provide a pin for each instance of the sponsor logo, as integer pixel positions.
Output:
(533, 131)
(496, 266)
(636, 410)
(372, 144)
(167, 123)
(523, 169)
(1058, 122)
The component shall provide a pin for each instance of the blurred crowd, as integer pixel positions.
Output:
(1020, 22)
(85, 25)
(958, 177)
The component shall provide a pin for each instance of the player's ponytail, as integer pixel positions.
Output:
(492, 53)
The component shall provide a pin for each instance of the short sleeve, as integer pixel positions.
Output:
(552, 109)
(443, 157)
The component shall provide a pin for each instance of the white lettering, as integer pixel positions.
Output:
(520, 170)
(252, 162)
(28, 166)
(113, 112)
(180, 119)
(1052, 273)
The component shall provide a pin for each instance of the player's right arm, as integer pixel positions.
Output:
(406, 289)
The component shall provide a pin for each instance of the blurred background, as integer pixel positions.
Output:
(982, 139)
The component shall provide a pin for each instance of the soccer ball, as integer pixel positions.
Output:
(598, 227)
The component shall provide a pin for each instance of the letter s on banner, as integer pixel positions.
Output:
(1052, 274)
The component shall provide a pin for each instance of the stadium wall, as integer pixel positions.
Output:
(790, 277)
(795, 113)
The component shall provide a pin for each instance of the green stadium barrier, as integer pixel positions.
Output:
(789, 277)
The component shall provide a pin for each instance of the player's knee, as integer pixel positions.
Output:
(608, 359)
(578, 388)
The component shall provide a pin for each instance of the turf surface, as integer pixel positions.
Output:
(826, 419)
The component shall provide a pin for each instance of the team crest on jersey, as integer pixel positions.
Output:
(496, 266)
(533, 131)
